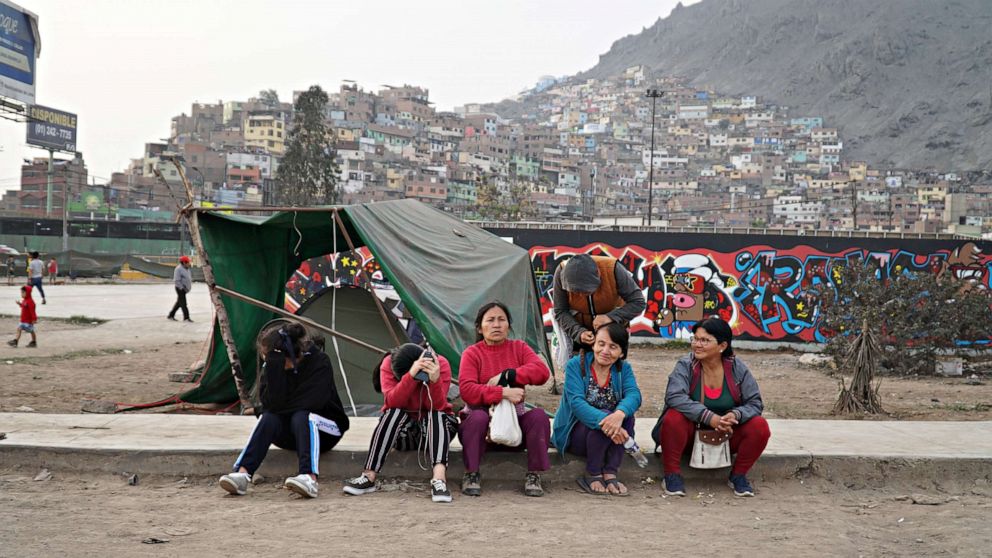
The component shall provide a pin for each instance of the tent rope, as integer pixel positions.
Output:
(334, 318)
(296, 250)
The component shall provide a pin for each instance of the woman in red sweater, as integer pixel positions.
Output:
(493, 369)
(416, 413)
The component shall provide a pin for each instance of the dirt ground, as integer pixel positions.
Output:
(57, 384)
(96, 514)
(102, 515)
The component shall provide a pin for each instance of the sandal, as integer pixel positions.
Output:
(616, 482)
(585, 483)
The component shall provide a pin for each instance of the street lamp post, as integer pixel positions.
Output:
(652, 94)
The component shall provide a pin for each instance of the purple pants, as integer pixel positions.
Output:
(602, 455)
(536, 428)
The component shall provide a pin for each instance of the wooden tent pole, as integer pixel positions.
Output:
(303, 320)
(192, 219)
(368, 279)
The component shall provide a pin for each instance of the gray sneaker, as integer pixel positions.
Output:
(532, 485)
(235, 483)
(472, 484)
(303, 485)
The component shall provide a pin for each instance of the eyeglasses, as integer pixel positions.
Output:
(701, 340)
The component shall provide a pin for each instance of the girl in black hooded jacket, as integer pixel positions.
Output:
(300, 411)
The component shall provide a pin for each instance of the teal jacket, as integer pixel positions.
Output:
(574, 407)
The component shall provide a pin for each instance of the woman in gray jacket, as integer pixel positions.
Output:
(732, 405)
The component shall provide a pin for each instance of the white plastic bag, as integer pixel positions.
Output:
(709, 456)
(504, 428)
(561, 346)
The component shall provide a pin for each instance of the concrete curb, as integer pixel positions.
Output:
(852, 453)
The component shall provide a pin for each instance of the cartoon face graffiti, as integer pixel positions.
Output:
(965, 264)
(690, 288)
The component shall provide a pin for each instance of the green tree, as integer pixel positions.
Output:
(520, 207)
(489, 206)
(914, 316)
(308, 174)
(269, 97)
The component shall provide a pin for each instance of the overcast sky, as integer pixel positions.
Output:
(127, 66)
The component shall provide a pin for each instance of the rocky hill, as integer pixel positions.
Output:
(908, 83)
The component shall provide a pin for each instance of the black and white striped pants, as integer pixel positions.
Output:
(438, 427)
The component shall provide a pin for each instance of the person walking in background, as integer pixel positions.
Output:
(10, 270)
(183, 280)
(36, 271)
(53, 271)
(28, 318)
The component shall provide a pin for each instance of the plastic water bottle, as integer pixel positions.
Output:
(632, 449)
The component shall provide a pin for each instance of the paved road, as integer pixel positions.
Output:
(136, 313)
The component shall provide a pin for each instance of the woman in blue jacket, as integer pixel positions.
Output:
(596, 414)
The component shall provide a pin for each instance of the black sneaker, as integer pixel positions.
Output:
(532, 485)
(472, 484)
(33, 345)
(359, 485)
(742, 488)
(12, 342)
(439, 491)
(173, 318)
(187, 320)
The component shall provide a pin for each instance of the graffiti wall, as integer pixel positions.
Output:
(769, 288)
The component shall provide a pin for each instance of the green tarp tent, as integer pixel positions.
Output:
(442, 269)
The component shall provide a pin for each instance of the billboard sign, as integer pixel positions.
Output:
(51, 129)
(20, 45)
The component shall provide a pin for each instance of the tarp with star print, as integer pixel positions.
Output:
(442, 269)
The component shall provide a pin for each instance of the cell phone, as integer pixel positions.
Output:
(422, 376)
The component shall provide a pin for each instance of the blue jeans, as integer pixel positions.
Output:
(37, 283)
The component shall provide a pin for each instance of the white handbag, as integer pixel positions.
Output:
(710, 448)
(504, 428)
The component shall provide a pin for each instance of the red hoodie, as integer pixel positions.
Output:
(28, 314)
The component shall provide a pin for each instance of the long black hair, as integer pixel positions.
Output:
(720, 330)
(482, 312)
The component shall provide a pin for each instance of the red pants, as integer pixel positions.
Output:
(748, 441)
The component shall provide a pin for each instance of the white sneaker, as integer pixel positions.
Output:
(235, 483)
(303, 485)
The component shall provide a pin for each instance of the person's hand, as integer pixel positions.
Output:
(612, 424)
(601, 320)
(493, 381)
(587, 338)
(420, 364)
(620, 437)
(715, 422)
(513, 395)
(727, 422)
(433, 371)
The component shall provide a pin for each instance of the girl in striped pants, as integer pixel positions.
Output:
(416, 415)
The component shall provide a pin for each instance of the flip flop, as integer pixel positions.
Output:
(585, 483)
(616, 482)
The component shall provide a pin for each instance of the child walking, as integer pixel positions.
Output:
(28, 318)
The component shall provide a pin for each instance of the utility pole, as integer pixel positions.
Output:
(652, 94)
(65, 211)
(891, 216)
(854, 203)
(51, 173)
